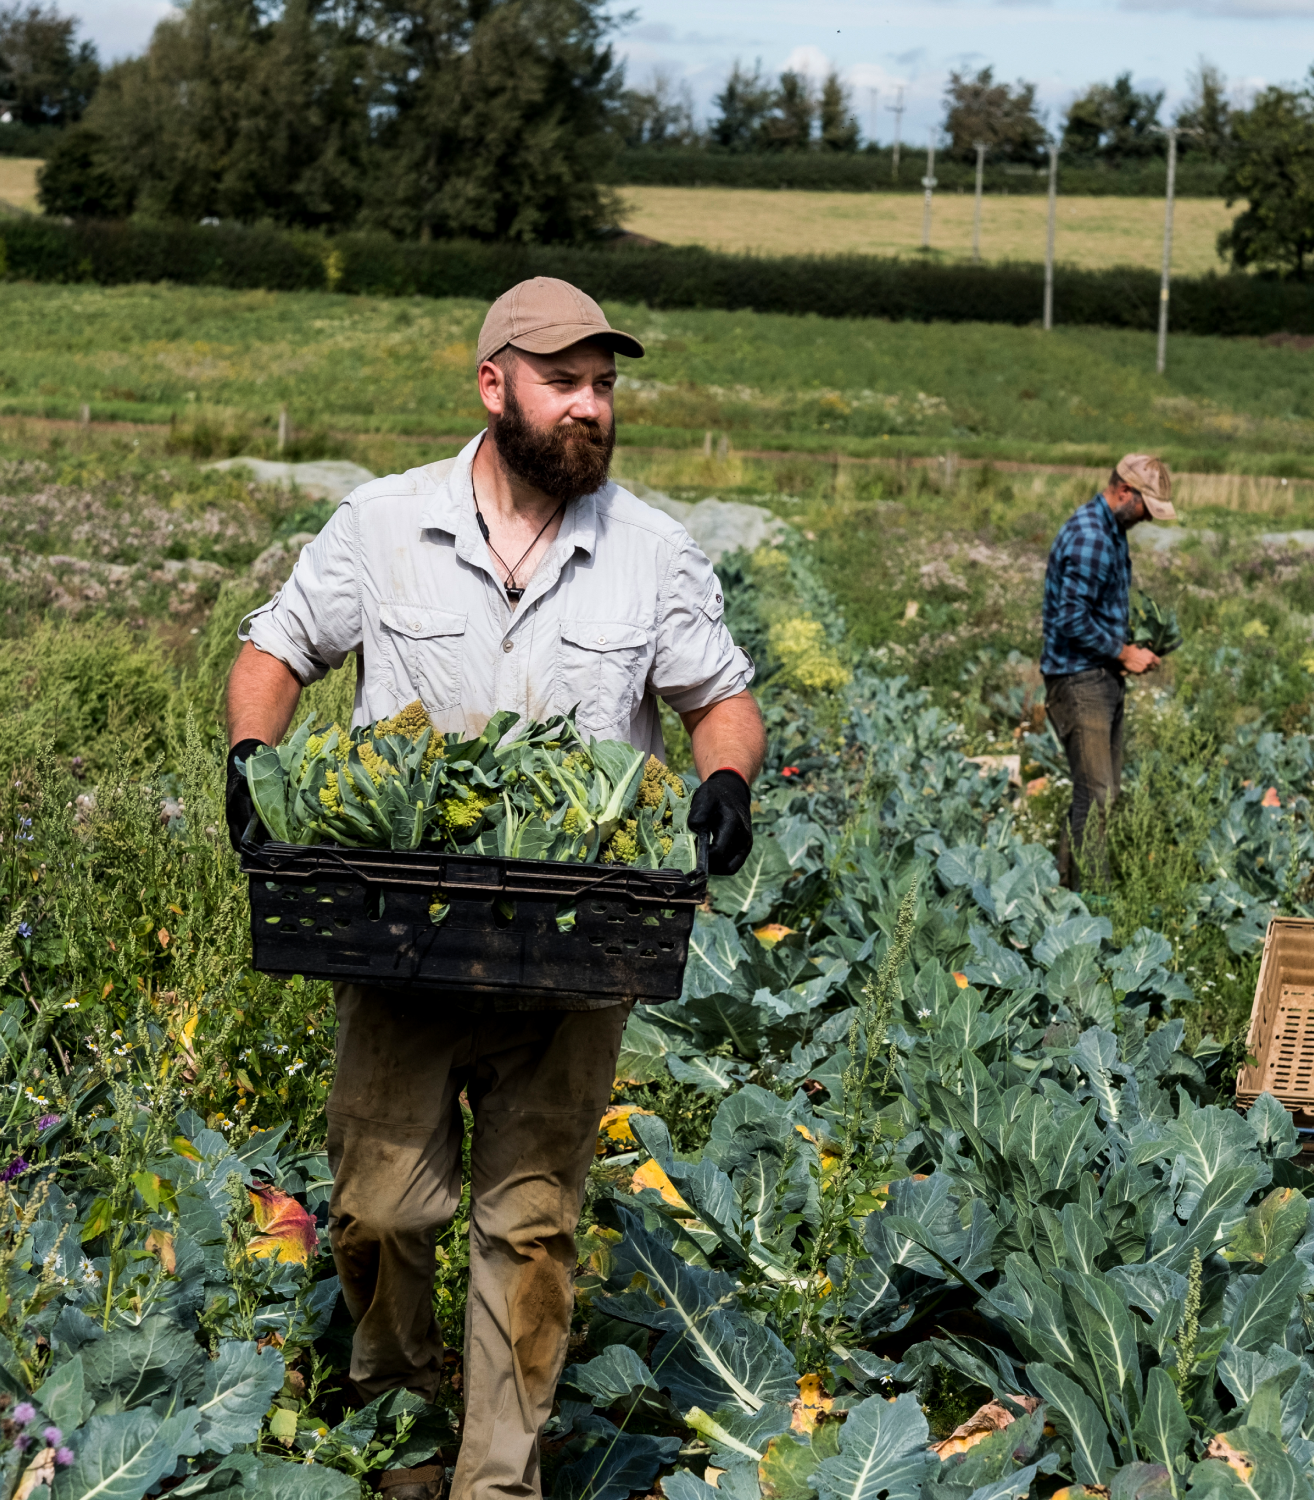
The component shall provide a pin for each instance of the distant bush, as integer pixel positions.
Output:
(853, 286)
(872, 172)
(17, 139)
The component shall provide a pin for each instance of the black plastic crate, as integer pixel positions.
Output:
(334, 913)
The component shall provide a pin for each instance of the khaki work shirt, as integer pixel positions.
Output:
(623, 609)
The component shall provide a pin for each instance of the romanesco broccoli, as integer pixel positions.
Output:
(656, 778)
(623, 846)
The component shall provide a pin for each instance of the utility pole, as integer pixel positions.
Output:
(1162, 354)
(896, 109)
(928, 182)
(976, 209)
(875, 94)
(1049, 238)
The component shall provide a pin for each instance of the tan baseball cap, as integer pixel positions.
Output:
(1151, 477)
(543, 316)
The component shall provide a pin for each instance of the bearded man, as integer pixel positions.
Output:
(512, 576)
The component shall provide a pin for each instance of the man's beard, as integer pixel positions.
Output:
(564, 462)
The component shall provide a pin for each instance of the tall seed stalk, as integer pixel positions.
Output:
(857, 1160)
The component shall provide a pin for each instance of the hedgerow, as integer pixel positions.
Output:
(849, 286)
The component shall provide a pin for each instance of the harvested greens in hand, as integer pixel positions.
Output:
(546, 794)
(1153, 626)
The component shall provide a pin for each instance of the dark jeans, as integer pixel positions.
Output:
(1085, 709)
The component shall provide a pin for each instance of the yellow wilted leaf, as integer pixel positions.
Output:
(1234, 1458)
(992, 1417)
(810, 1404)
(40, 1471)
(160, 1243)
(771, 933)
(163, 936)
(615, 1126)
(650, 1175)
(289, 1230)
(960, 980)
(184, 1148)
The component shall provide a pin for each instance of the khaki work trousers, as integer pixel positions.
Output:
(537, 1083)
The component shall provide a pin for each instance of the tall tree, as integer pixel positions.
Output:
(660, 115)
(1271, 164)
(47, 77)
(742, 107)
(237, 111)
(495, 118)
(837, 124)
(976, 108)
(1206, 117)
(788, 126)
(1114, 121)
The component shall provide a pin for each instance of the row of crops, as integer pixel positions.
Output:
(923, 1133)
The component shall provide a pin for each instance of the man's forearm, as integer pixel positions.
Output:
(262, 697)
(728, 733)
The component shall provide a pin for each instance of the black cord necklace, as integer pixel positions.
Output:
(513, 593)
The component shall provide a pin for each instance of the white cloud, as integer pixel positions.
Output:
(810, 61)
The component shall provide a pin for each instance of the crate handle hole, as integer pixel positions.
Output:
(376, 904)
(273, 921)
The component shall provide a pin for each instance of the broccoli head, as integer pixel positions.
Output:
(376, 767)
(410, 722)
(623, 846)
(656, 778)
(330, 797)
(464, 809)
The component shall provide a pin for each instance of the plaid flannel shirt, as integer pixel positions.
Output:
(1087, 592)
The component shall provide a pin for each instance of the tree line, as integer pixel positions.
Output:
(498, 120)
(1110, 122)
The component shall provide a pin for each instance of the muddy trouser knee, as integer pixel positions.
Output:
(537, 1083)
(1086, 709)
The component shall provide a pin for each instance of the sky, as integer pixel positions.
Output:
(1060, 45)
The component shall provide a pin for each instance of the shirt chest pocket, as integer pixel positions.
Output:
(424, 649)
(600, 666)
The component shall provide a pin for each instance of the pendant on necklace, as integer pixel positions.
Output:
(514, 595)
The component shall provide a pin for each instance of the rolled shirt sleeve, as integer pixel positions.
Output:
(313, 623)
(696, 662)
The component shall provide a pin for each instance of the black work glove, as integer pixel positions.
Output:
(721, 808)
(237, 799)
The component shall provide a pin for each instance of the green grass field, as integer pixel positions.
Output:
(1091, 232)
(220, 365)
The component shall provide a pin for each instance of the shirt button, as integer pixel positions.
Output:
(508, 645)
(602, 640)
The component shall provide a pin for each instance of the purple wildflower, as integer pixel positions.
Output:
(15, 1169)
(25, 929)
(46, 1121)
(24, 1411)
(64, 1458)
(22, 1442)
(52, 1437)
